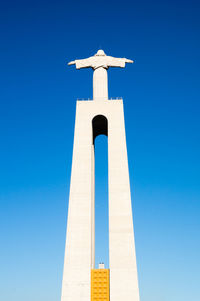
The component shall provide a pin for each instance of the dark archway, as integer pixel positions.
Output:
(100, 126)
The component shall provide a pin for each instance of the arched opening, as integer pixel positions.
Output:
(99, 126)
(101, 233)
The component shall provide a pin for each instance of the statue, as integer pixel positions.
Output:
(100, 62)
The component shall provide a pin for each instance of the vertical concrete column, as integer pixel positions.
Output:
(123, 270)
(100, 84)
(78, 251)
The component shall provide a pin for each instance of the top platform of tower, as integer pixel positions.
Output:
(100, 63)
(108, 99)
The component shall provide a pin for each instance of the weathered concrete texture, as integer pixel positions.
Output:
(79, 253)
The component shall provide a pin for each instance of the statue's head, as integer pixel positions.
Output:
(100, 53)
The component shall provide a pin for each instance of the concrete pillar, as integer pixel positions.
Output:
(100, 84)
(78, 250)
(123, 270)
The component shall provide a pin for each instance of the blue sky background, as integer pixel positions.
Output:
(38, 93)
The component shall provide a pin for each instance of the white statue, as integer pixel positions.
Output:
(100, 62)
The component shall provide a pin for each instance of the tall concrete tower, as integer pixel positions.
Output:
(81, 281)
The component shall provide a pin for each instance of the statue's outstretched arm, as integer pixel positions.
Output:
(117, 62)
(129, 61)
(84, 63)
(71, 63)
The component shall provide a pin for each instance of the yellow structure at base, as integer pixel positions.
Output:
(100, 285)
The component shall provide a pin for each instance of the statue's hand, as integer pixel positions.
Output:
(128, 61)
(71, 63)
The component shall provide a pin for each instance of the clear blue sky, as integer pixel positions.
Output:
(161, 96)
